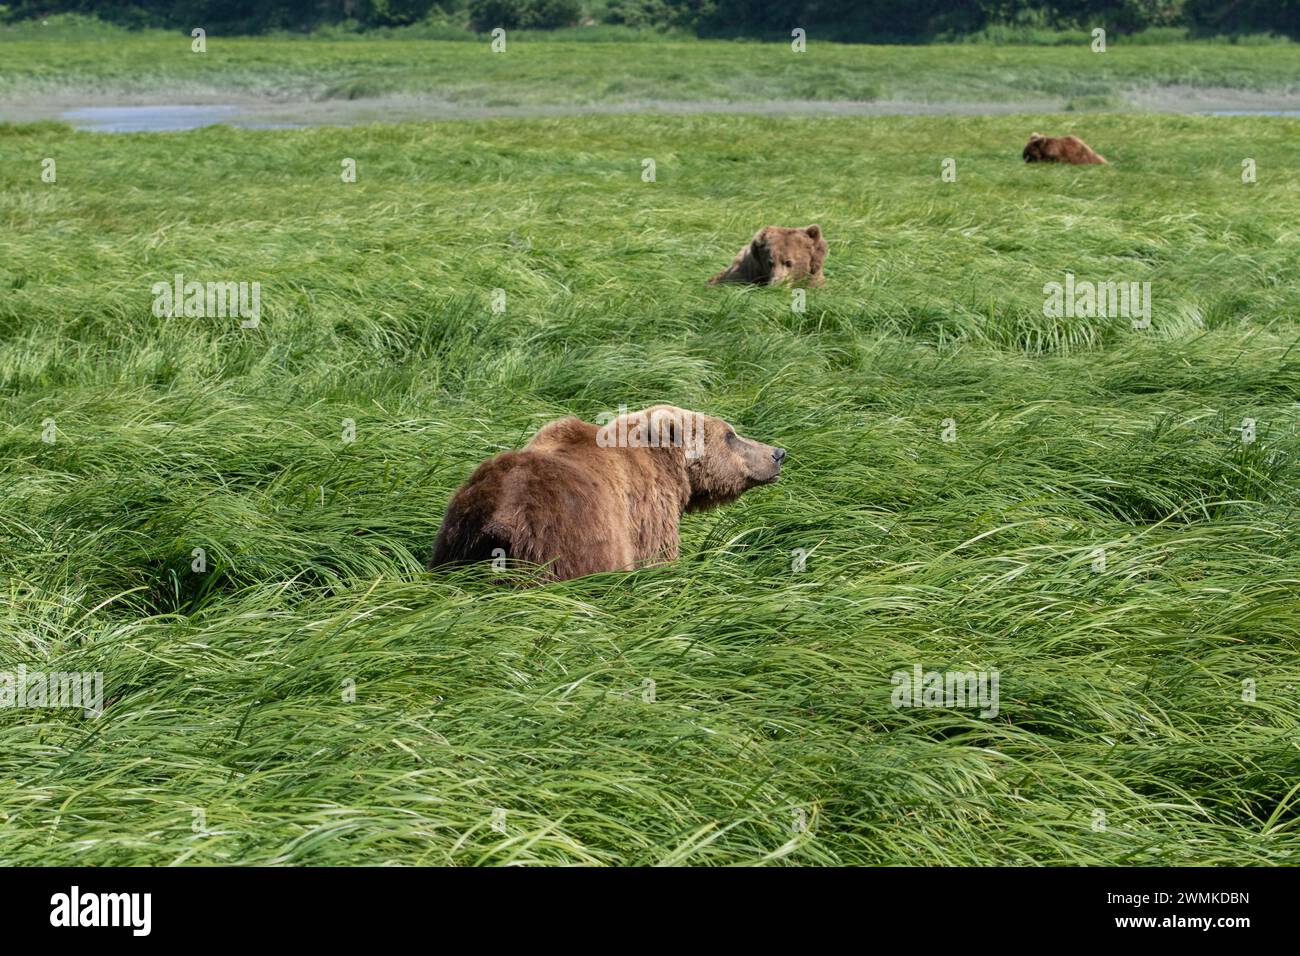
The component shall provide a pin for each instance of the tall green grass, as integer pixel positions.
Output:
(1148, 709)
(566, 69)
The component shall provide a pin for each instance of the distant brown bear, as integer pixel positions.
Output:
(1060, 149)
(581, 498)
(778, 253)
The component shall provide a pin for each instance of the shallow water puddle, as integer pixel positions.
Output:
(177, 117)
(156, 119)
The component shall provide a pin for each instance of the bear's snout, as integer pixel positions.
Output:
(766, 466)
(778, 457)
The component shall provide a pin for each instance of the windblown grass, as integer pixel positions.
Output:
(1124, 692)
(547, 71)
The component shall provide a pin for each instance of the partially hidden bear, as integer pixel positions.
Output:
(778, 253)
(1060, 149)
(582, 498)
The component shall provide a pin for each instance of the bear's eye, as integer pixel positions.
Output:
(789, 263)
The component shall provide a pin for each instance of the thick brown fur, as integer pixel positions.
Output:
(1060, 149)
(777, 254)
(582, 498)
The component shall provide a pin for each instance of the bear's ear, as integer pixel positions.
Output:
(665, 428)
(814, 231)
(1034, 136)
(762, 236)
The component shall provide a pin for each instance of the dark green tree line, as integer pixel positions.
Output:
(860, 20)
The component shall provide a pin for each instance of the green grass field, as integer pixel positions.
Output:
(1148, 710)
(573, 72)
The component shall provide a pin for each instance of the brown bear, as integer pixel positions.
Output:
(1060, 149)
(582, 498)
(778, 253)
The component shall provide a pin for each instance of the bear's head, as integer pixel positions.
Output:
(721, 465)
(790, 254)
(1035, 149)
(725, 465)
